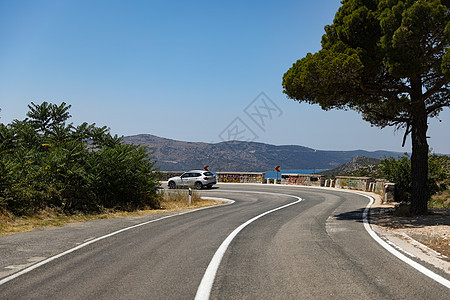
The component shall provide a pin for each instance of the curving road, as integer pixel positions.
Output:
(316, 248)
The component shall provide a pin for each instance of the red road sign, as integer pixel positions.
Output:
(277, 168)
(206, 168)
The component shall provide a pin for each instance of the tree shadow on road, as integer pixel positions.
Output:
(356, 215)
(384, 217)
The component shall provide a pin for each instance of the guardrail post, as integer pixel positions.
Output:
(190, 196)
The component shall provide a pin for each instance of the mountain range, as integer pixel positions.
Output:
(356, 164)
(239, 156)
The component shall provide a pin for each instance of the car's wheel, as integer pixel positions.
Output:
(198, 185)
(171, 185)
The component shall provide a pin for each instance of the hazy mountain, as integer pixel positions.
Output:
(175, 155)
(355, 165)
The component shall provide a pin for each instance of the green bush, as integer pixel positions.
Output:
(398, 171)
(122, 176)
(46, 162)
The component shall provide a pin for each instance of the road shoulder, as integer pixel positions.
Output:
(407, 234)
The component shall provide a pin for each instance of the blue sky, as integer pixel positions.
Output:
(186, 70)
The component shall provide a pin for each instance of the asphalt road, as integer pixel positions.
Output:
(316, 248)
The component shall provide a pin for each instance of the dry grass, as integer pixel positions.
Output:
(170, 201)
(10, 224)
(179, 199)
(439, 243)
(432, 230)
(440, 200)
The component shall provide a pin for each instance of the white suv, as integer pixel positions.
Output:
(195, 178)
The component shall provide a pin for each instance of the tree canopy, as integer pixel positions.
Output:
(388, 60)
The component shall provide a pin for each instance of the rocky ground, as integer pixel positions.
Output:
(427, 236)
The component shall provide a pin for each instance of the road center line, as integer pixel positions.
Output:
(204, 289)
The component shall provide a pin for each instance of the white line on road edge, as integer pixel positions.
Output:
(228, 201)
(395, 252)
(204, 289)
(372, 233)
(385, 245)
(46, 261)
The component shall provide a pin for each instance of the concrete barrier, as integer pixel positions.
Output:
(354, 183)
(303, 179)
(379, 186)
(241, 177)
(384, 188)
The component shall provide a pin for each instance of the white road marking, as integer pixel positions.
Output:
(395, 252)
(204, 289)
(384, 244)
(398, 248)
(46, 261)
(205, 286)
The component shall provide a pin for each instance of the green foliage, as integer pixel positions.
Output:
(45, 162)
(438, 173)
(388, 60)
(398, 171)
(120, 175)
(314, 77)
(376, 57)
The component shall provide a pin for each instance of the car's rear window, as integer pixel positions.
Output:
(208, 174)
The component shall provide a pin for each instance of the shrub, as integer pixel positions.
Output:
(45, 162)
(399, 172)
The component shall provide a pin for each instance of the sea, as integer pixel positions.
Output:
(273, 174)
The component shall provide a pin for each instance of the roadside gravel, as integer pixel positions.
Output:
(424, 237)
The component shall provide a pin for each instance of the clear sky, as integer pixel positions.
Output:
(186, 70)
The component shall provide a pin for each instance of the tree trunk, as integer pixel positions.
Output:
(419, 159)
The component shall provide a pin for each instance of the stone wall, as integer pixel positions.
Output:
(241, 177)
(353, 183)
(303, 179)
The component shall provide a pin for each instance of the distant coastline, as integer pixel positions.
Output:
(240, 156)
(273, 174)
